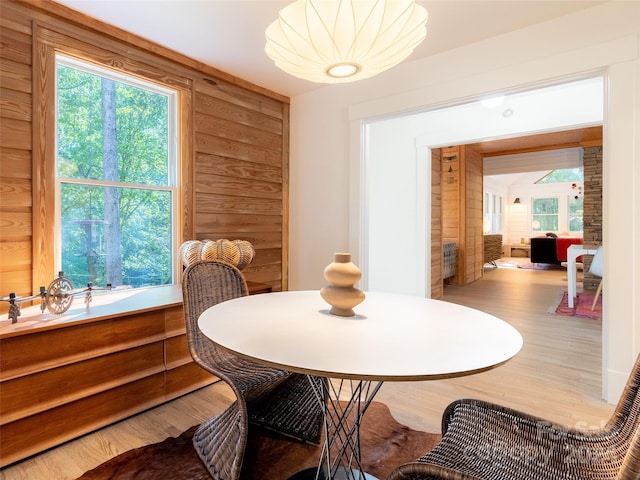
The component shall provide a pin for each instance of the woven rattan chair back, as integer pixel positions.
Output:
(485, 441)
(271, 398)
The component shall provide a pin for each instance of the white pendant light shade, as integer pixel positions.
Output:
(333, 41)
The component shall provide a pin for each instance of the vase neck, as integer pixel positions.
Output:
(342, 257)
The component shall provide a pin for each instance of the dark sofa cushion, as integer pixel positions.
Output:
(543, 250)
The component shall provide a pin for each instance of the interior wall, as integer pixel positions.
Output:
(566, 47)
(395, 218)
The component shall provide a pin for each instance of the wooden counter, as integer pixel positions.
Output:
(62, 376)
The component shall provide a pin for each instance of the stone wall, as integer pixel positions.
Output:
(592, 217)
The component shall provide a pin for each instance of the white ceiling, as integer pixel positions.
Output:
(229, 34)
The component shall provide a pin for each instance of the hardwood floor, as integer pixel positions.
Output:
(557, 375)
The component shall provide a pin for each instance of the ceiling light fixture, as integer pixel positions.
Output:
(335, 41)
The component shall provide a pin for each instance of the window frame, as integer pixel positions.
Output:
(171, 186)
(49, 42)
(570, 198)
(533, 214)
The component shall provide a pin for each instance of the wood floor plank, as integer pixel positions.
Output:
(557, 375)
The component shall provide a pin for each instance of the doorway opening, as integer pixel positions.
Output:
(397, 171)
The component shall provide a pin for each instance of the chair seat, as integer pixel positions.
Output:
(293, 409)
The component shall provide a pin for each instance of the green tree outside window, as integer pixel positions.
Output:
(114, 171)
(545, 214)
(576, 211)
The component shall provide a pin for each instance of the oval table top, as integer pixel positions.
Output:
(392, 337)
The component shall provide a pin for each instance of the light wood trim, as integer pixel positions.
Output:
(285, 197)
(436, 224)
(43, 156)
(462, 255)
(186, 173)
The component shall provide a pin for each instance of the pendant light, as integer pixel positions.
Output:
(334, 41)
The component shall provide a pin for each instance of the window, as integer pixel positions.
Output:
(545, 215)
(493, 217)
(576, 211)
(116, 177)
(563, 175)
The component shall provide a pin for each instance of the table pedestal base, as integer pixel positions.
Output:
(341, 474)
(340, 457)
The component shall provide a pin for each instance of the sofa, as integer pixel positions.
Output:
(551, 250)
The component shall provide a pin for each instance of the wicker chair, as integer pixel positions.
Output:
(275, 399)
(483, 441)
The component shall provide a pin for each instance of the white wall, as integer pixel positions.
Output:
(327, 197)
(389, 259)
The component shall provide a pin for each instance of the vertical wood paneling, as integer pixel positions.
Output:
(462, 191)
(437, 289)
(451, 207)
(473, 214)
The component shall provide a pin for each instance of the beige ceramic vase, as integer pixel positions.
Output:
(342, 274)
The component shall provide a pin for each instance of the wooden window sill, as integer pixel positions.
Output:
(105, 305)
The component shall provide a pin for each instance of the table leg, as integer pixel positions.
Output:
(571, 277)
(340, 458)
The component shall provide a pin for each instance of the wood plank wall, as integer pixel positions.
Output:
(238, 163)
(437, 264)
(462, 191)
(473, 213)
(15, 153)
(240, 181)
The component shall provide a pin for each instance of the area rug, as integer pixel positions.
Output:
(540, 266)
(581, 306)
(385, 445)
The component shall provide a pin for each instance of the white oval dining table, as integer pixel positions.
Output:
(392, 337)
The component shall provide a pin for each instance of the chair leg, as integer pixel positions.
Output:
(595, 298)
(220, 442)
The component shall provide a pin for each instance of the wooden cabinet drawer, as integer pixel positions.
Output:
(31, 394)
(38, 432)
(43, 350)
